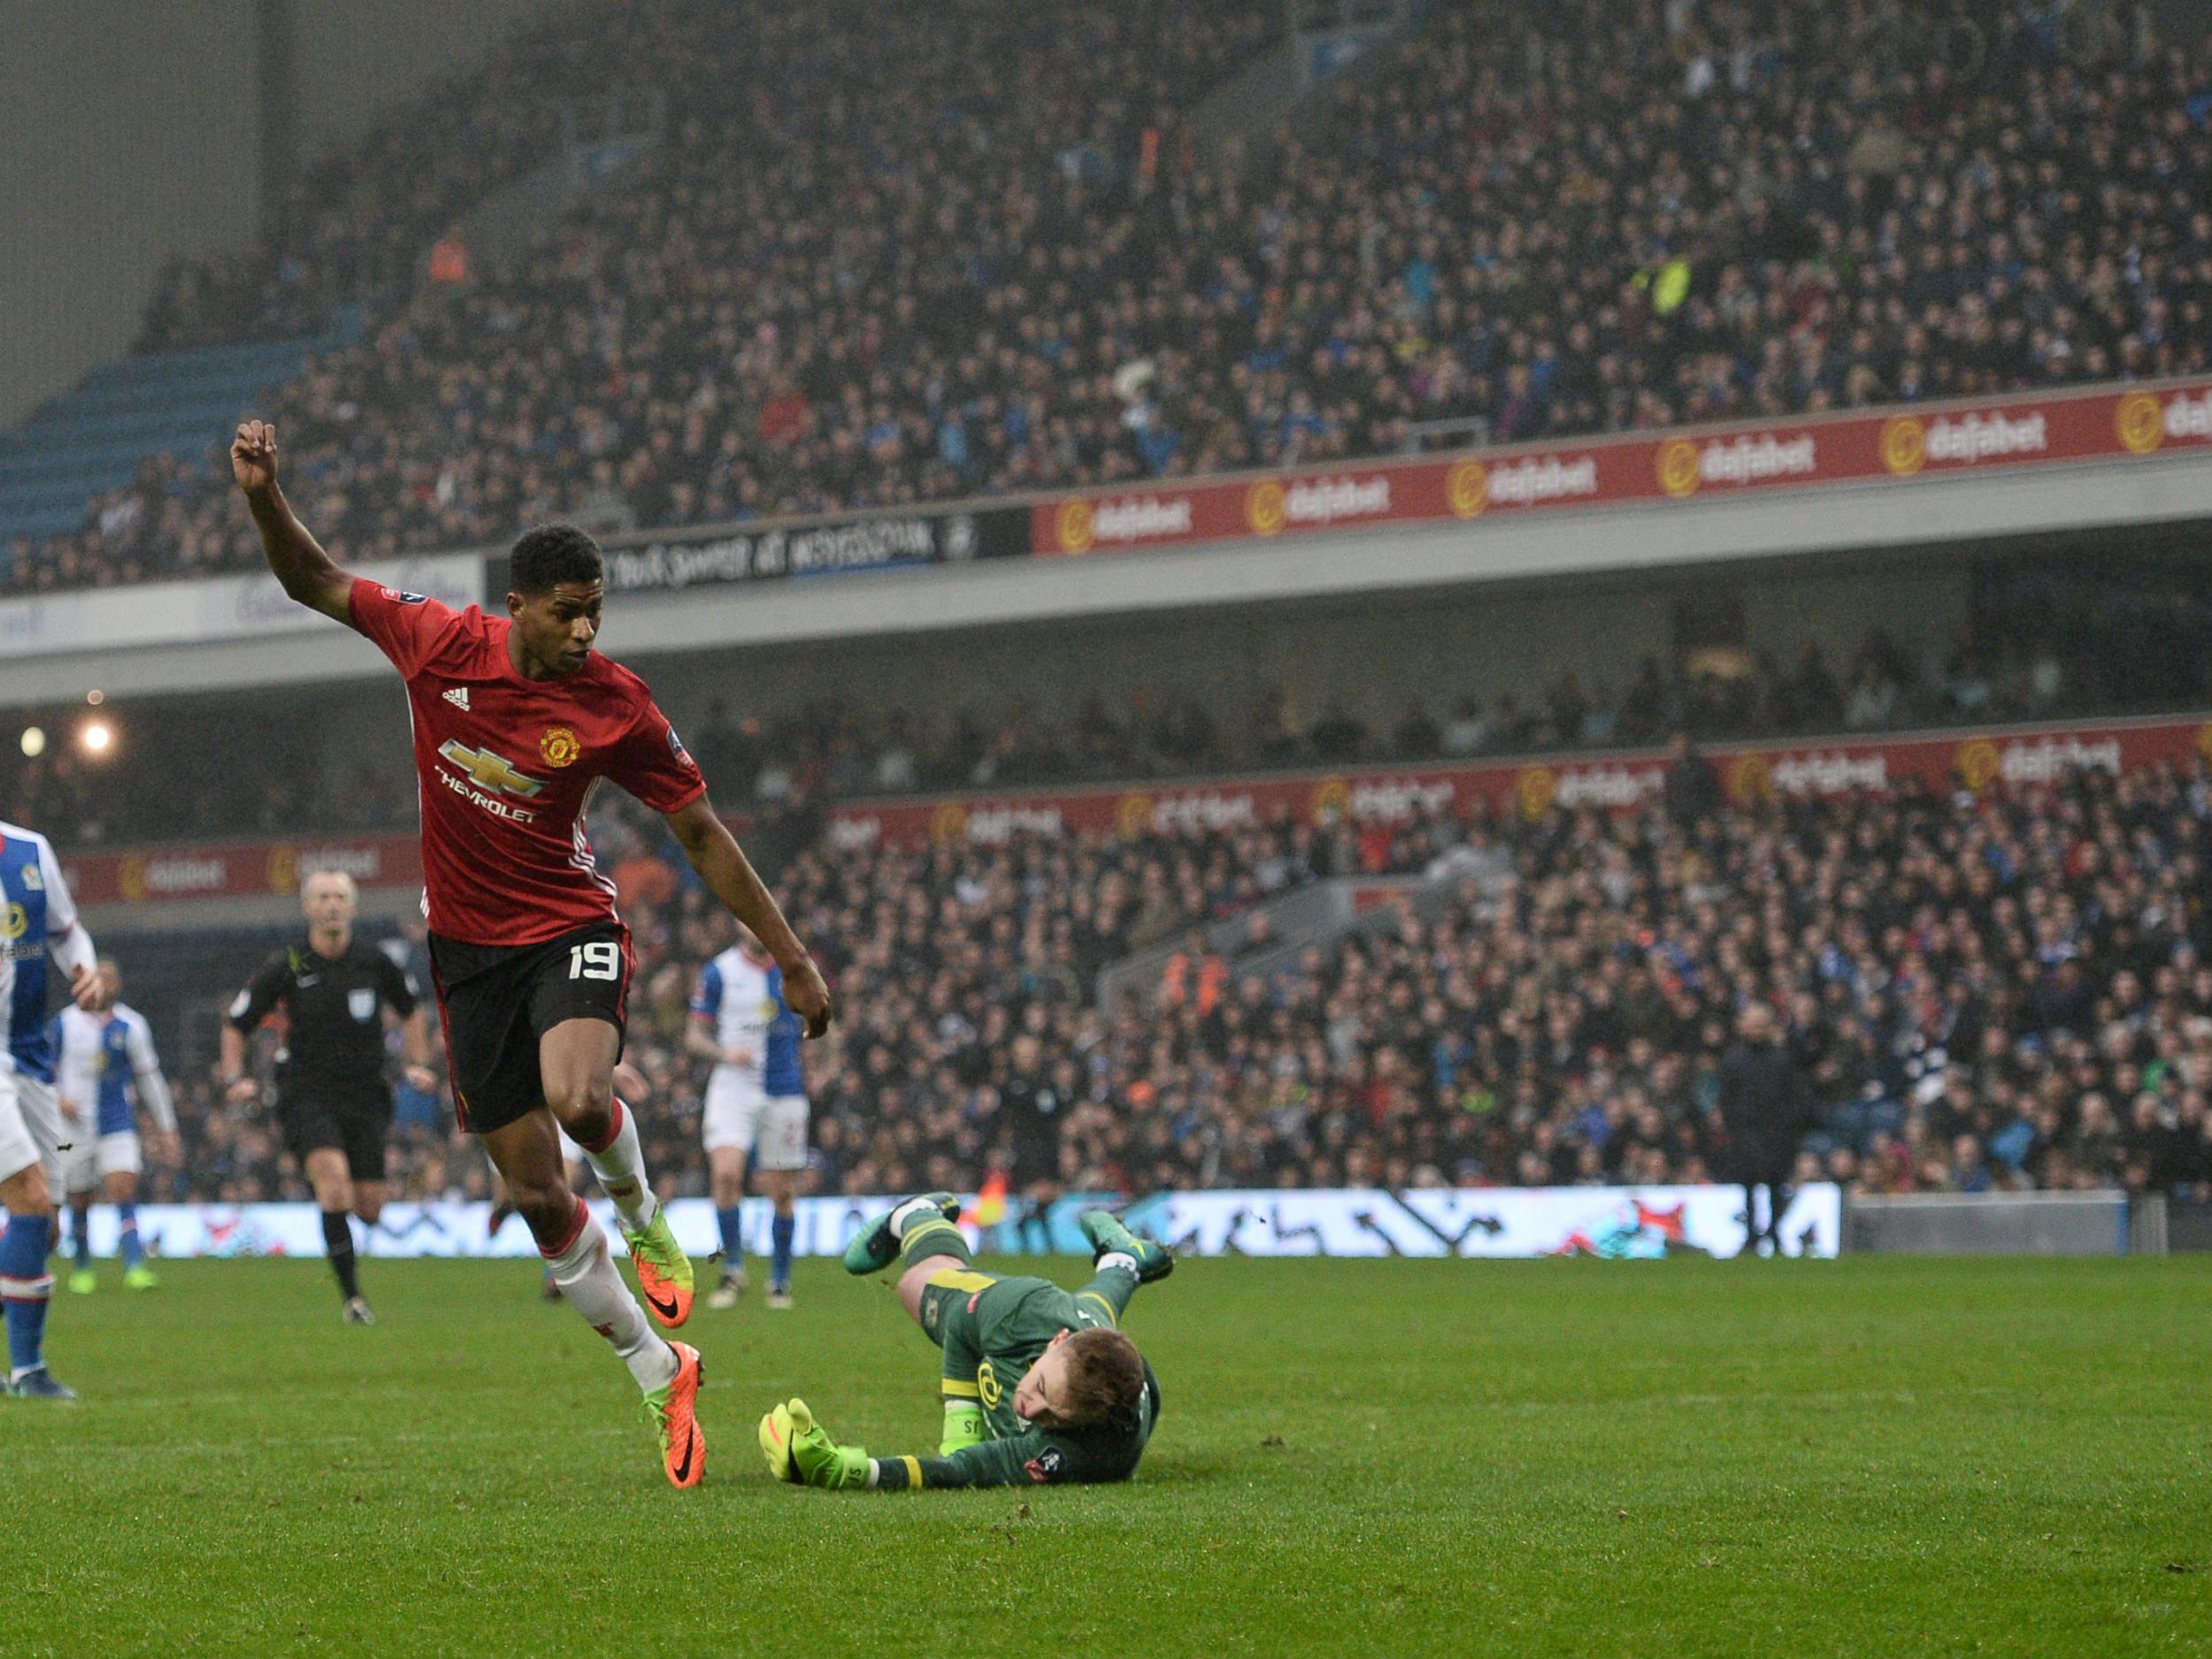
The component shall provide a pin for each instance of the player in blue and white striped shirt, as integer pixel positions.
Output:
(36, 916)
(756, 1103)
(109, 1070)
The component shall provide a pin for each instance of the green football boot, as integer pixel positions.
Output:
(140, 1278)
(83, 1281)
(1107, 1235)
(875, 1247)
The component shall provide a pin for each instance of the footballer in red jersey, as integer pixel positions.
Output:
(516, 719)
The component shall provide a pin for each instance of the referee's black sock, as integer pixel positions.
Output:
(338, 1244)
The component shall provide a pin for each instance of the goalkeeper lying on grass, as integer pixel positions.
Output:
(1039, 1385)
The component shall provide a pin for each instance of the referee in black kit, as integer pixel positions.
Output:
(1030, 1109)
(332, 1101)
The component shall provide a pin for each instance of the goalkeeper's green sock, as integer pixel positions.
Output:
(923, 1233)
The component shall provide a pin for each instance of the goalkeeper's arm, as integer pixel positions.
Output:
(986, 1463)
(799, 1449)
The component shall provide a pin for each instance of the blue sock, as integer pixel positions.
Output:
(733, 1239)
(780, 1233)
(134, 1252)
(80, 1224)
(25, 1287)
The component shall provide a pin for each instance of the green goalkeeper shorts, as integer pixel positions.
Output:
(949, 1300)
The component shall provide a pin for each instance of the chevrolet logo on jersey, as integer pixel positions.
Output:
(487, 771)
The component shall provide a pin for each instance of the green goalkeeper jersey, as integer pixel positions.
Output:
(992, 1331)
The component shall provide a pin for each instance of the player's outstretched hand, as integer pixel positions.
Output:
(800, 1450)
(807, 994)
(253, 456)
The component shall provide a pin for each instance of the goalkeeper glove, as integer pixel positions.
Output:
(799, 1449)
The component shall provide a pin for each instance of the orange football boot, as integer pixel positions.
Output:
(663, 1271)
(672, 1409)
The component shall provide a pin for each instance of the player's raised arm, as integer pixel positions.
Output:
(304, 570)
(722, 864)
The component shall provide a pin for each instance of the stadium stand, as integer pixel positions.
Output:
(2004, 991)
(1026, 276)
(132, 431)
(2028, 650)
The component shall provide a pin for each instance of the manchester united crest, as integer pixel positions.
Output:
(559, 747)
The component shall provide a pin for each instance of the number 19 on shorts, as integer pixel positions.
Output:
(601, 959)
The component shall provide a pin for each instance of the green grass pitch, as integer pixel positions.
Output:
(1875, 1456)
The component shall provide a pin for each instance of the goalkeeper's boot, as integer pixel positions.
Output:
(663, 1271)
(38, 1384)
(672, 1409)
(83, 1281)
(1108, 1235)
(140, 1278)
(875, 1247)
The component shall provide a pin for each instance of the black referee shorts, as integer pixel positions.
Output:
(496, 1000)
(313, 1119)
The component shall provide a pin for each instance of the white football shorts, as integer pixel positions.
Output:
(30, 1127)
(93, 1158)
(770, 1126)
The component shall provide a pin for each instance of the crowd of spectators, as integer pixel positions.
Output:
(2000, 667)
(2011, 990)
(776, 311)
(355, 226)
(976, 250)
(838, 747)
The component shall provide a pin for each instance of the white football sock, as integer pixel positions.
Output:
(912, 1209)
(620, 1167)
(586, 1273)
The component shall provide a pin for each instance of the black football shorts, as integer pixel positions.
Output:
(496, 1000)
(355, 1122)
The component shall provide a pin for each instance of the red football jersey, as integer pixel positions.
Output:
(506, 764)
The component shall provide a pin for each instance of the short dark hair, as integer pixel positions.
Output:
(1105, 1379)
(551, 553)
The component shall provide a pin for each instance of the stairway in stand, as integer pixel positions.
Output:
(94, 438)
